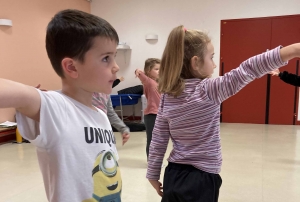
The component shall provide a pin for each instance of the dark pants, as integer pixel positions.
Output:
(185, 183)
(149, 120)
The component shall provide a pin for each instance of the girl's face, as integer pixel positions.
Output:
(154, 72)
(209, 65)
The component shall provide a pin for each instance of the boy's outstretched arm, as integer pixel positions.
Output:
(23, 98)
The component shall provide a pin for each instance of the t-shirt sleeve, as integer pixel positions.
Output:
(53, 120)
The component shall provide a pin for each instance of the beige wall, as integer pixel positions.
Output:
(23, 56)
(133, 19)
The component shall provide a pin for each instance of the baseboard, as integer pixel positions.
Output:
(7, 135)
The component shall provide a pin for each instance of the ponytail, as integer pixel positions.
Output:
(170, 80)
(175, 66)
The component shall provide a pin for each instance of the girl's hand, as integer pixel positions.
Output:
(157, 186)
(138, 72)
(275, 72)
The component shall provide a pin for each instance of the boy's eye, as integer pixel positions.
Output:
(105, 59)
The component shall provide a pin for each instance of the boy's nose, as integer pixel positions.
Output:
(116, 68)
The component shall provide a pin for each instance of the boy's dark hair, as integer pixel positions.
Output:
(70, 33)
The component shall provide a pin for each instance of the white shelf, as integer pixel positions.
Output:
(151, 37)
(123, 47)
(6, 22)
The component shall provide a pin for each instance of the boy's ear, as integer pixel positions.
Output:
(69, 68)
(195, 63)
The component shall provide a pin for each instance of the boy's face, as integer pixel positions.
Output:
(98, 71)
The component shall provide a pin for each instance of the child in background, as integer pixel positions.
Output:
(103, 102)
(287, 77)
(149, 80)
(75, 143)
(189, 113)
(118, 81)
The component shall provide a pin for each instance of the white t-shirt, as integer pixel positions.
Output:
(76, 150)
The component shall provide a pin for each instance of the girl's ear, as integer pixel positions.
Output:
(195, 63)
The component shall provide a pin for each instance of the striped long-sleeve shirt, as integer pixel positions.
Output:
(192, 120)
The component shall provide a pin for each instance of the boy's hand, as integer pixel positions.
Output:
(121, 78)
(157, 186)
(275, 72)
(125, 137)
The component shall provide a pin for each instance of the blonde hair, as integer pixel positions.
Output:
(181, 46)
(149, 64)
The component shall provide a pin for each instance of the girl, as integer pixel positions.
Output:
(149, 81)
(189, 113)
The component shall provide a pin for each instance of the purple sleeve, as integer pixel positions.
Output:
(223, 87)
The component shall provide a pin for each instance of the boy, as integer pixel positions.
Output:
(75, 143)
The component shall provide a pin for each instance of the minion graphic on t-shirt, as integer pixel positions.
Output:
(107, 178)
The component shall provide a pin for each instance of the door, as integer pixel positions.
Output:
(240, 40)
(284, 97)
